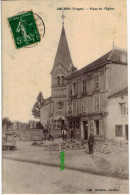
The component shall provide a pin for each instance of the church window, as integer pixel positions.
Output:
(58, 80)
(62, 79)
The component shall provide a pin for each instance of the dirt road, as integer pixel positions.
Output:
(21, 177)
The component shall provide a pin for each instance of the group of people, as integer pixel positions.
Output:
(64, 134)
(48, 134)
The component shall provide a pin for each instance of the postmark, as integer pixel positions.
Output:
(25, 29)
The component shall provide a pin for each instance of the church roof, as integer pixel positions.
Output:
(63, 53)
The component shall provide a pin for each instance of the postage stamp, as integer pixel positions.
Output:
(24, 29)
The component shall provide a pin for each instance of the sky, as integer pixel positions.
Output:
(90, 34)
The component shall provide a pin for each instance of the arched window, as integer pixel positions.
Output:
(58, 80)
(62, 80)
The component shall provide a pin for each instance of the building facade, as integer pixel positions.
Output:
(117, 119)
(79, 98)
(88, 91)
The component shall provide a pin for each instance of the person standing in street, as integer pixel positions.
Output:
(51, 133)
(64, 134)
(90, 143)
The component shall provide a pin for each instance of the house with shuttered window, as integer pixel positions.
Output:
(117, 119)
(88, 89)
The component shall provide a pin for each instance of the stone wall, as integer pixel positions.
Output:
(27, 135)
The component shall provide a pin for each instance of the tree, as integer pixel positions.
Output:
(39, 125)
(37, 105)
(6, 122)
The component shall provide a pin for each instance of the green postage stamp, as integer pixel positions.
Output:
(24, 29)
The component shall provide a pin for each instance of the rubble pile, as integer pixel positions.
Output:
(73, 145)
(99, 146)
(111, 147)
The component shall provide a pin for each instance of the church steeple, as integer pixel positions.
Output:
(63, 53)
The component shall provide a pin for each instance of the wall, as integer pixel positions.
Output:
(115, 118)
(27, 135)
(87, 99)
(117, 77)
(44, 114)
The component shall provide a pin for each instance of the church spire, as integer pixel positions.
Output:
(63, 53)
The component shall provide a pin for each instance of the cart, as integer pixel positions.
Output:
(9, 142)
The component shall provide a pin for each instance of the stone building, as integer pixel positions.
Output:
(88, 91)
(80, 99)
(117, 119)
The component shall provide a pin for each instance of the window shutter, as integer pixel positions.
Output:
(100, 127)
(90, 84)
(89, 126)
(94, 128)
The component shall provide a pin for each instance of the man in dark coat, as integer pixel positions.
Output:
(90, 143)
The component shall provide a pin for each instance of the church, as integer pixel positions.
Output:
(54, 108)
(82, 99)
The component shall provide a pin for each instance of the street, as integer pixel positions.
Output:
(29, 178)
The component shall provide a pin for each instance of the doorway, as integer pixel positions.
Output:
(97, 126)
(85, 127)
(126, 131)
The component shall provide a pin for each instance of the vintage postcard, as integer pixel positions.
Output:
(65, 97)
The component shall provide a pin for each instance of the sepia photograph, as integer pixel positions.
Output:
(64, 97)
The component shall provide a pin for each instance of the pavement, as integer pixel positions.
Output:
(112, 165)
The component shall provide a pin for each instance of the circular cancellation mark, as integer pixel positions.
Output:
(40, 26)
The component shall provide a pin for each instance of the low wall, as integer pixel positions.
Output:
(26, 135)
(36, 134)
